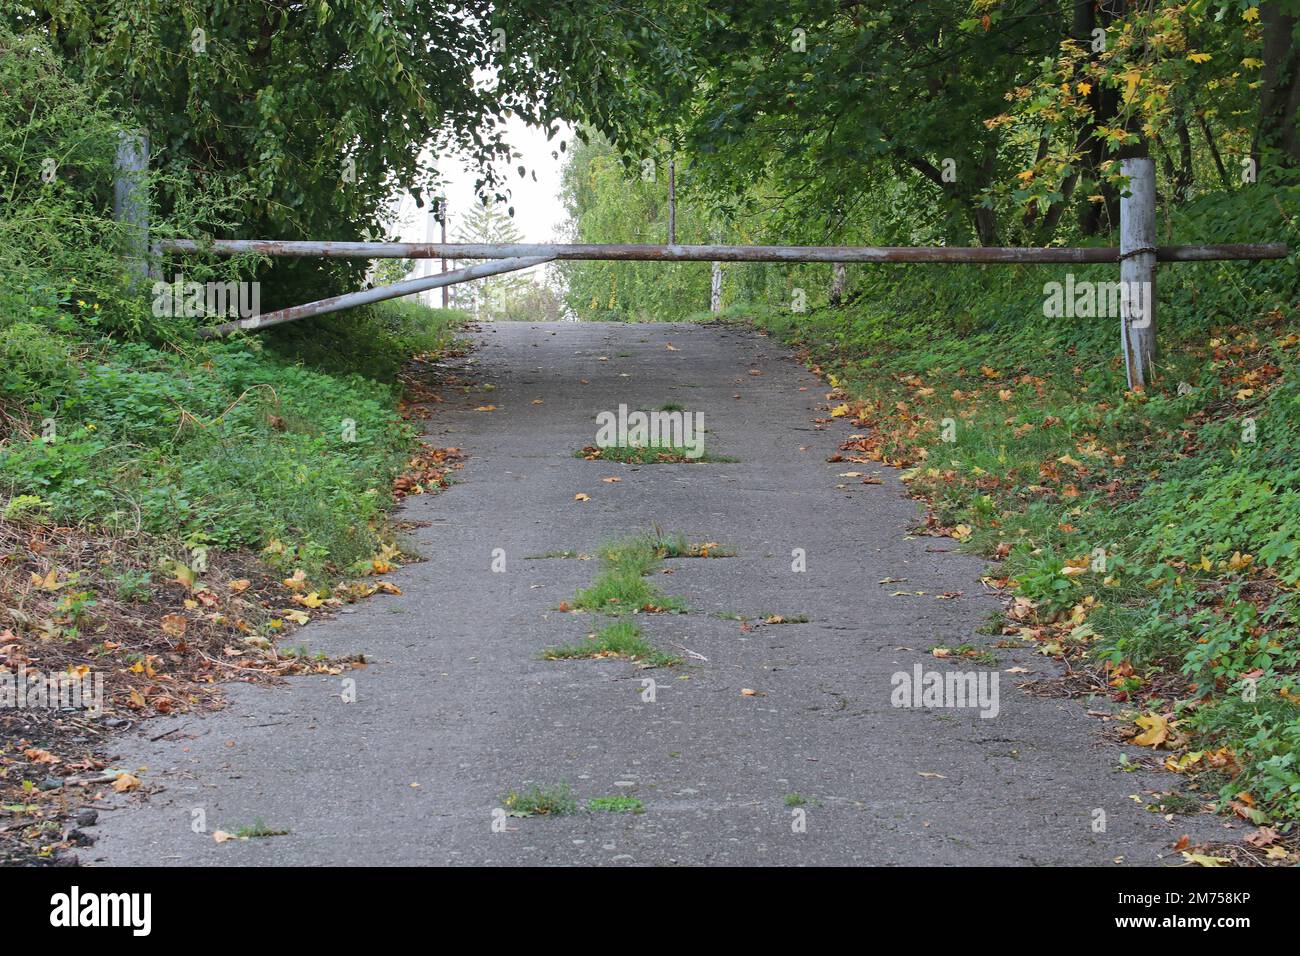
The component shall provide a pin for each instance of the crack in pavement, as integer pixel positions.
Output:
(458, 707)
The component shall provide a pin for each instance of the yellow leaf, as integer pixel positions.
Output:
(1180, 764)
(297, 582)
(239, 585)
(1238, 561)
(1250, 14)
(298, 617)
(1200, 859)
(1155, 729)
(387, 588)
(1200, 57)
(312, 600)
(839, 411)
(962, 532)
(125, 782)
(581, 496)
(48, 583)
(184, 574)
(1083, 88)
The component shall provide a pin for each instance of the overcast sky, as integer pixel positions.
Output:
(539, 214)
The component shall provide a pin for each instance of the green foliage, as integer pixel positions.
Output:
(372, 342)
(541, 801)
(1188, 490)
(616, 804)
(619, 639)
(608, 202)
(225, 445)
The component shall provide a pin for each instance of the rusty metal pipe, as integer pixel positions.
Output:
(713, 253)
(351, 300)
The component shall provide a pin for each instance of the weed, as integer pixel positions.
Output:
(617, 804)
(540, 801)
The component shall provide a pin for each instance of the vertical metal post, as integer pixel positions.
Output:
(672, 202)
(131, 202)
(839, 276)
(1137, 270)
(446, 290)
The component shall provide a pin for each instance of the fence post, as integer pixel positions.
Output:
(131, 201)
(672, 202)
(1137, 270)
(839, 278)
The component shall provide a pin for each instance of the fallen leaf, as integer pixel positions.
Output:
(1263, 837)
(1155, 730)
(1200, 859)
(173, 625)
(125, 782)
(240, 585)
(580, 496)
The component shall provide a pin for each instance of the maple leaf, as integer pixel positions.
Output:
(1155, 730)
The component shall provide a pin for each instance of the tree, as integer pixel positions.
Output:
(488, 298)
(326, 108)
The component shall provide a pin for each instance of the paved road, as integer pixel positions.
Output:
(458, 702)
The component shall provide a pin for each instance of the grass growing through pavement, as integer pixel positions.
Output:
(651, 454)
(616, 804)
(621, 588)
(541, 801)
(620, 639)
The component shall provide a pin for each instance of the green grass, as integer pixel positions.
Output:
(795, 800)
(617, 804)
(649, 454)
(619, 639)
(621, 586)
(227, 444)
(540, 801)
(1144, 534)
(256, 831)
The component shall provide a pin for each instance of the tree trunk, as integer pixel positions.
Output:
(1280, 98)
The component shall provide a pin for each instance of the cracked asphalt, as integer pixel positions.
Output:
(457, 707)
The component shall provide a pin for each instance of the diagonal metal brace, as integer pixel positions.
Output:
(351, 300)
